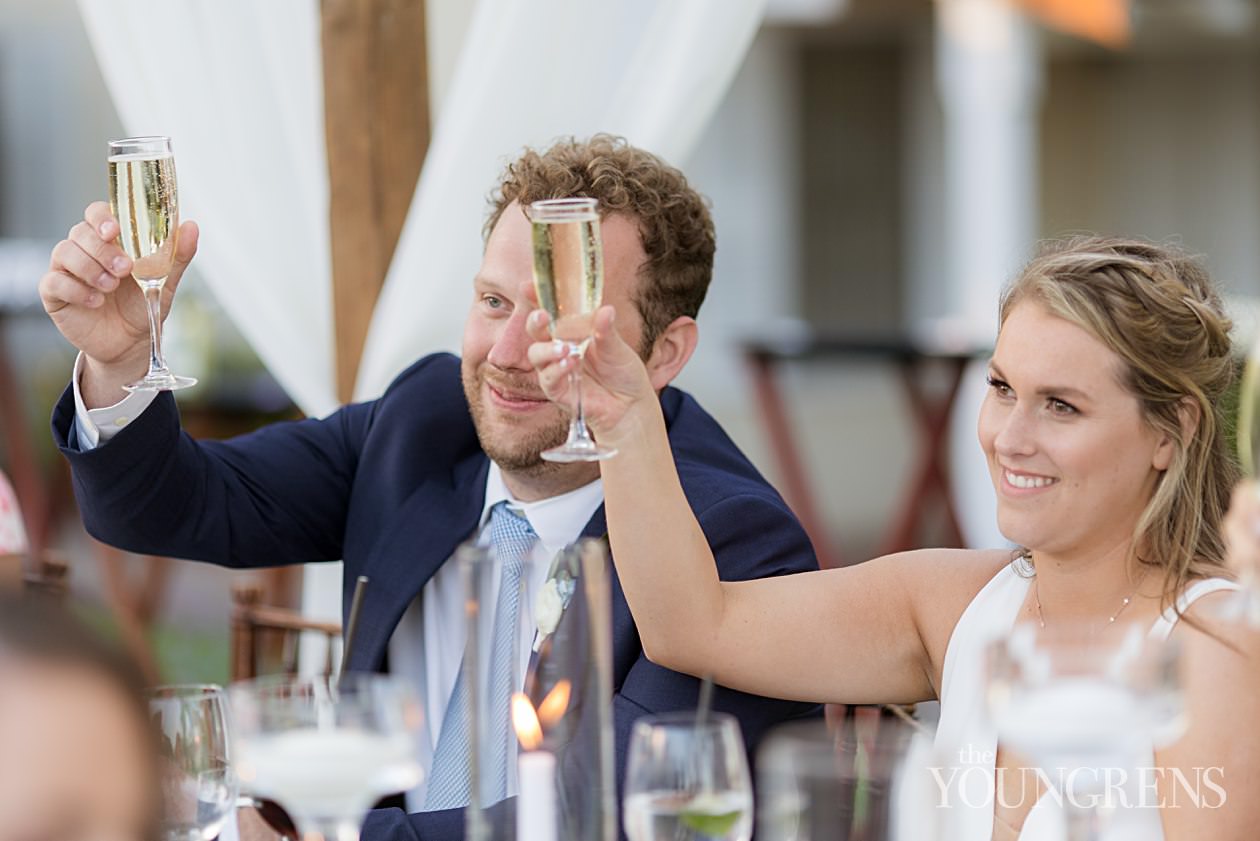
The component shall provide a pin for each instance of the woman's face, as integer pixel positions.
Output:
(73, 759)
(1071, 457)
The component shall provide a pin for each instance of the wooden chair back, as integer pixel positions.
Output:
(49, 576)
(264, 638)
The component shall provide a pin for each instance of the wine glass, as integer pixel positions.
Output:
(144, 198)
(569, 279)
(1246, 605)
(1085, 706)
(687, 780)
(326, 749)
(198, 783)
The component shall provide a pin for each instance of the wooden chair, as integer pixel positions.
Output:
(50, 576)
(264, 639)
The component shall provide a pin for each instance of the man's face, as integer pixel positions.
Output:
(514, 421)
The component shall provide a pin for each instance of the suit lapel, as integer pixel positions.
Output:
(430, 525)
(625, 636)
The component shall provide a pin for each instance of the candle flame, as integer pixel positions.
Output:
(525, 721)
(554, 705)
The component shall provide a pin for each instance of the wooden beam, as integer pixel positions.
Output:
(376, 125)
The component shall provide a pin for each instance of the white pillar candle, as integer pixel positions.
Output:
(536, 803)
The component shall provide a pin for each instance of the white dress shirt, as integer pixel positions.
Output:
(427, 647)
(96, 426)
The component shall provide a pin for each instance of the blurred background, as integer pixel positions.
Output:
(878, 168)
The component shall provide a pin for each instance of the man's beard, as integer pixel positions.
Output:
(520, 450)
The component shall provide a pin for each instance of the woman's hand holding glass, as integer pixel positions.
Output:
(617, 393)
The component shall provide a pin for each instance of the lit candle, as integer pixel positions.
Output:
(536, 773)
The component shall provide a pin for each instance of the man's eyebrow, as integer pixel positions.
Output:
(487, 283)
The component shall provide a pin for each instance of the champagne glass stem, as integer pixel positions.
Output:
(579, 419)
(153, 298)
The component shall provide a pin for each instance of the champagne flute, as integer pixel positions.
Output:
(325, 748)
(145, 200)
(1246, 606)
(687, 780)
(198, 783)
(569, 278)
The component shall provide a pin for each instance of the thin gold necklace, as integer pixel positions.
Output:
(1041, 618)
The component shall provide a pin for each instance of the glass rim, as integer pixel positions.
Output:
(348, 682)
(140, 140)
(816, 749)
(570, 209)
(686, 719)
(182, 690)
(155, 147)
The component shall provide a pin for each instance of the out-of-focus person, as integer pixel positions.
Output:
(76, 758)
(12, 531)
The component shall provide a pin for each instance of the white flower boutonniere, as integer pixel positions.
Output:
(550, 603)
(548, 607)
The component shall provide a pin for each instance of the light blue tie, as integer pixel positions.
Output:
(450, 786)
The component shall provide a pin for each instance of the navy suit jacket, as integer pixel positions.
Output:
(392, 487)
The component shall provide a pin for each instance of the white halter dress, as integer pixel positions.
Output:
(966, 741)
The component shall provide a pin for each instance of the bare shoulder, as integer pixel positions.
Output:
(936, 576)
(1220, 673)
(1215, 637)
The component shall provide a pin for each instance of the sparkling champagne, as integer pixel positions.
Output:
(1248, 435)
(144, 199)
(1249, 416)
(569, 273)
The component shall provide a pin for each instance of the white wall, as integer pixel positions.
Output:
(745, 163)
(1159, 147)
(55, 117)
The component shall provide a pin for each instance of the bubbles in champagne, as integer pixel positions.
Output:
(569, 273)
(144, 199)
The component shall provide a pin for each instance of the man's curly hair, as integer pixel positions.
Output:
(673, 219)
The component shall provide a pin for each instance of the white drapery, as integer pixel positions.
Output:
(238, 86)
(651, 70)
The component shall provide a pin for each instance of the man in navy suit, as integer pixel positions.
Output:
(392, 486)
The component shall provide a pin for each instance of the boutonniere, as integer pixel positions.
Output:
(552, 600)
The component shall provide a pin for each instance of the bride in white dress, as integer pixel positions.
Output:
(1104, 434)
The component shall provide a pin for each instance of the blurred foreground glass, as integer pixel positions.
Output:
(325, 750)
(554, 778)
(198, 782)
(1084, 706)
(569, 280)
(1245, 606)
(859, 779)
(687, 780)
(144, 198)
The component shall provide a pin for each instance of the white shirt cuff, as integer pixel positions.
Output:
(97, 426)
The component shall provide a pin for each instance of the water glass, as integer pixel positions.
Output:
(197, 778)
(687, 779)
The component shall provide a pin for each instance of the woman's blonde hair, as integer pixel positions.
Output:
(1155, 307)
